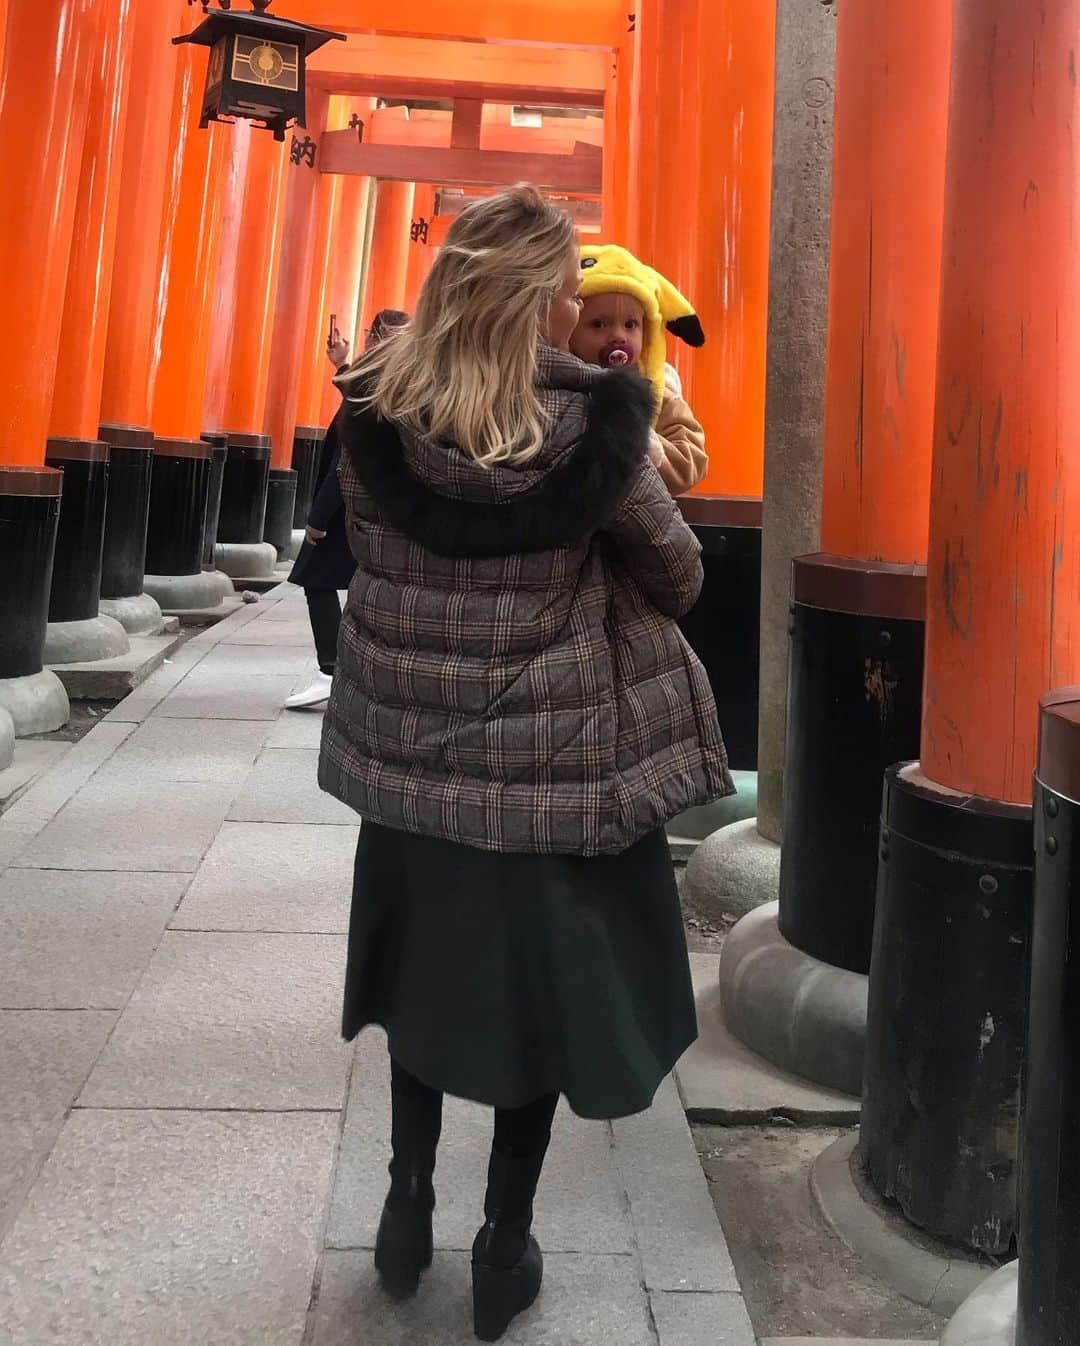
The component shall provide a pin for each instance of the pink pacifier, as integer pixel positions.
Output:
(616, 355)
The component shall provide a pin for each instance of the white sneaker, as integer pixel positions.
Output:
(315, 695)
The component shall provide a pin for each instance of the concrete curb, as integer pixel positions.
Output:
(801, 1014)
(988, 1318)
(7, 739)
(941, 1280)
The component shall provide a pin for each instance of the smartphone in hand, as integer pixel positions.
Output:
(335, 335)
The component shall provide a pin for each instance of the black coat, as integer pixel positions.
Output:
(329, 563)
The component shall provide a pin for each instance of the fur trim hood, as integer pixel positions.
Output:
(437, 496)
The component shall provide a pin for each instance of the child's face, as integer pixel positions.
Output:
(610, 323)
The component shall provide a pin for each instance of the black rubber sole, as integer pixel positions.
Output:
(403, 1250)
(499, 1295)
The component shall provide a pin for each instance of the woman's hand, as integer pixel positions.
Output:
(337, 352)
(312, 534)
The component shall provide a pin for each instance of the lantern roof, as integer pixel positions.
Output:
(220, 22)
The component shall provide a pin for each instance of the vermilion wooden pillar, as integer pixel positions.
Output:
(77, 632)
(132, 346)
(949, 976)
(242, 552)
(389, 266)
(300, 266)
(223, 314)
(644, 202)
(44, 90)
(190, 232)
(314, 369)
(712, 79)
(421, 252)
(855, 684)
(346, 265)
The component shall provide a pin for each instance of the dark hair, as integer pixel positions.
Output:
(386, 319)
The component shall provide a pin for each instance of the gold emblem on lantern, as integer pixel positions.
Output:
(271, 64)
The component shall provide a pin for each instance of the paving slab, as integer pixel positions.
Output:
(208, 752)
(701, 1319)
(289, 629)
(143, 700)
(284, 788)
(682, 1245)
(584, 1301)
(723, 1082)
(116, 823)
(112, 679)
(44, 1059)
(28, 816)
(33, 757)
(220, 694)
(170, 1229)
(273, 877)
(579, 1205)
(297, 729)
(230, 1021)
(255, 661)
(843, 1341)
(76, 940)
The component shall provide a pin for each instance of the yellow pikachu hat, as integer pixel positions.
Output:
(611, 268)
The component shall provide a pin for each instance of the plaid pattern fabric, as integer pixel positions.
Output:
(543, 702)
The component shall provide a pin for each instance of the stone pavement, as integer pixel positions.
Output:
(188, 1152)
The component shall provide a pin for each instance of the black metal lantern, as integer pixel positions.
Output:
(257, 65)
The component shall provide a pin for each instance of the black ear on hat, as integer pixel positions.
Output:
(688, 329)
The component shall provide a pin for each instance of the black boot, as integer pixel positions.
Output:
(403, 1248)
(507, 1265)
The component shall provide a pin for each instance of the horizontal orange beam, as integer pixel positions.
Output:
(432, 130)
(564, 23)
(418, 67)
(340, 152)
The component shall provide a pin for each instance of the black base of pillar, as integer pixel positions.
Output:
(1049, 1299)
(280, 505)
(243, 489)
(174, 544)
(29, 514)
(306, 459)
(854, 708)
(123, 554)
(947, 1012)
(76, 579)
(218, 454)
(723, 627)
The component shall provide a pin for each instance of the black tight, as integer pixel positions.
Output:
(518, 1131)
(324, 610)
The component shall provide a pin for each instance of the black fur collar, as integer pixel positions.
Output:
(571, 500)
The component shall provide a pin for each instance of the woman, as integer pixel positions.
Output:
(515, 716)
(325, 564)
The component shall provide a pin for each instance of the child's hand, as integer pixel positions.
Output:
(656, 449)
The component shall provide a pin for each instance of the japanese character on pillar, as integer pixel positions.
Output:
(303, 151)
(356, 123)
(419, 231)
(256, 68)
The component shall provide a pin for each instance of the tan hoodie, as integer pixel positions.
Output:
(678, 441)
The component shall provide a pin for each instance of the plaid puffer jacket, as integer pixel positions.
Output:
(510, 673)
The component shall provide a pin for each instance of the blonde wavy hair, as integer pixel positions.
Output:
(464, 369)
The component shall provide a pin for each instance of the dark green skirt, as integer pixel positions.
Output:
(500, 978)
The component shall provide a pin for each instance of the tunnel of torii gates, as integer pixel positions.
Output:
(903, 420)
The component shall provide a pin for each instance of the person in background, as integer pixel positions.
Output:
(325, 564)
(515, 717)
(628, 309)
